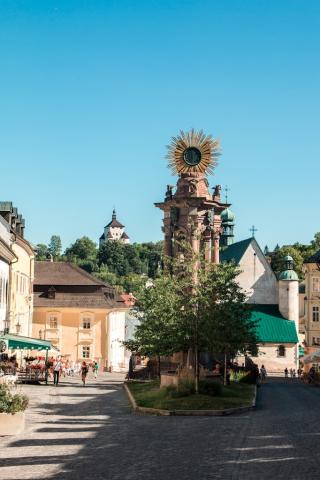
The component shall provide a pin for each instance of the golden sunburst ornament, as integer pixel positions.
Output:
(193, 152)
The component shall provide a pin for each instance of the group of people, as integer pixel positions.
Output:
(293, 373)
(61, 368)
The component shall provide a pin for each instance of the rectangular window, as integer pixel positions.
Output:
(316, 284)
(86, 323)
(315, 314)
(85, 351)
(53, 322)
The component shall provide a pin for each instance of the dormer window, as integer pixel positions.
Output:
(52, 293)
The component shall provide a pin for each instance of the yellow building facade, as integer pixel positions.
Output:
(310, 304)
(79, 314)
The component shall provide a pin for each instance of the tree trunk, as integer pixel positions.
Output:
(196, 370)
(225, 369)
(159, 366)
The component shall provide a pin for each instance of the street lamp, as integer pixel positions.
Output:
(6, 324)
(18, 327)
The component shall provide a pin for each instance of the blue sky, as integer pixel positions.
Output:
(92, 91)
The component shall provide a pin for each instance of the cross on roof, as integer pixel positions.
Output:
(253, 229)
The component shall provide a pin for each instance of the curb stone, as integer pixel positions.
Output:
(191, 413)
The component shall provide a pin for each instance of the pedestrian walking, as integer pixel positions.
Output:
(56, 372)
(84, 372)
(286, 373)
(95, 368)
(294, 373)
(263, 373)
(299, 372)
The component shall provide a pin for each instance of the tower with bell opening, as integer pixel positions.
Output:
(191, 212)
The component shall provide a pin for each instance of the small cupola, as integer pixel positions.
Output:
(288, 273)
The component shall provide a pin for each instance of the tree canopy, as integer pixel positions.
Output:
(199, 306)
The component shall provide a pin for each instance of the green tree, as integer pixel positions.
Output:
(41, 251)
(55, 247)
(200, 307)
(277, 262)
(82, 249)
(315, 243)
(214, 314)
(158, 332)
(112, 254)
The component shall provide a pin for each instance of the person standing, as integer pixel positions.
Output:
(84, 372)
(95, 368)
(263, 373)
(286, 372)
(56, 372)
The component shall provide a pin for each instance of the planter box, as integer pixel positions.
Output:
(12, 424)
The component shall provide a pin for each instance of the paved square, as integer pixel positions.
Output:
(81, 433)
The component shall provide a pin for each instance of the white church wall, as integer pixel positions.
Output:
(257, 278)
(289, 300)
(116, 334)
(268, 356)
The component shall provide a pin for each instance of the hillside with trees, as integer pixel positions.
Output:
(124, 266)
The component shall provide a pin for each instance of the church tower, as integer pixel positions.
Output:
(227, 224)
(191, 212)
(114, 230)
(289, 295)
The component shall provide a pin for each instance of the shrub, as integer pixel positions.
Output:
(184, 389)
(237, 376)
(209, 387)
(12, 403)
(249, 377)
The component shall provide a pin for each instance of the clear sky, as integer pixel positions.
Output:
(92, 91)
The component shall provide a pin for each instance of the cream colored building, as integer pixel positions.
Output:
(80, 315)
(21, 300)
(7, 256)
(16, 273)
(310, 304)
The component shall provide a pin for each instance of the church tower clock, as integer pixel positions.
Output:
(191, 212)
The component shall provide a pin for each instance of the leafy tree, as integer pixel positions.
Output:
(215, 315)
(55, 247)
(82, 249)
(41, 251)
(315, 243)
(157, 333)
(277, 263)
(200, 307)
(112, 254)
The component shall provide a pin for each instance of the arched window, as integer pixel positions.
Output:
(281, 351)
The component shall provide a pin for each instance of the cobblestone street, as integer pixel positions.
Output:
(80, 433)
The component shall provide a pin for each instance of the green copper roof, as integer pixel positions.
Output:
(227, 215)
(235, 251)
(288, 275)
(272, 327)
